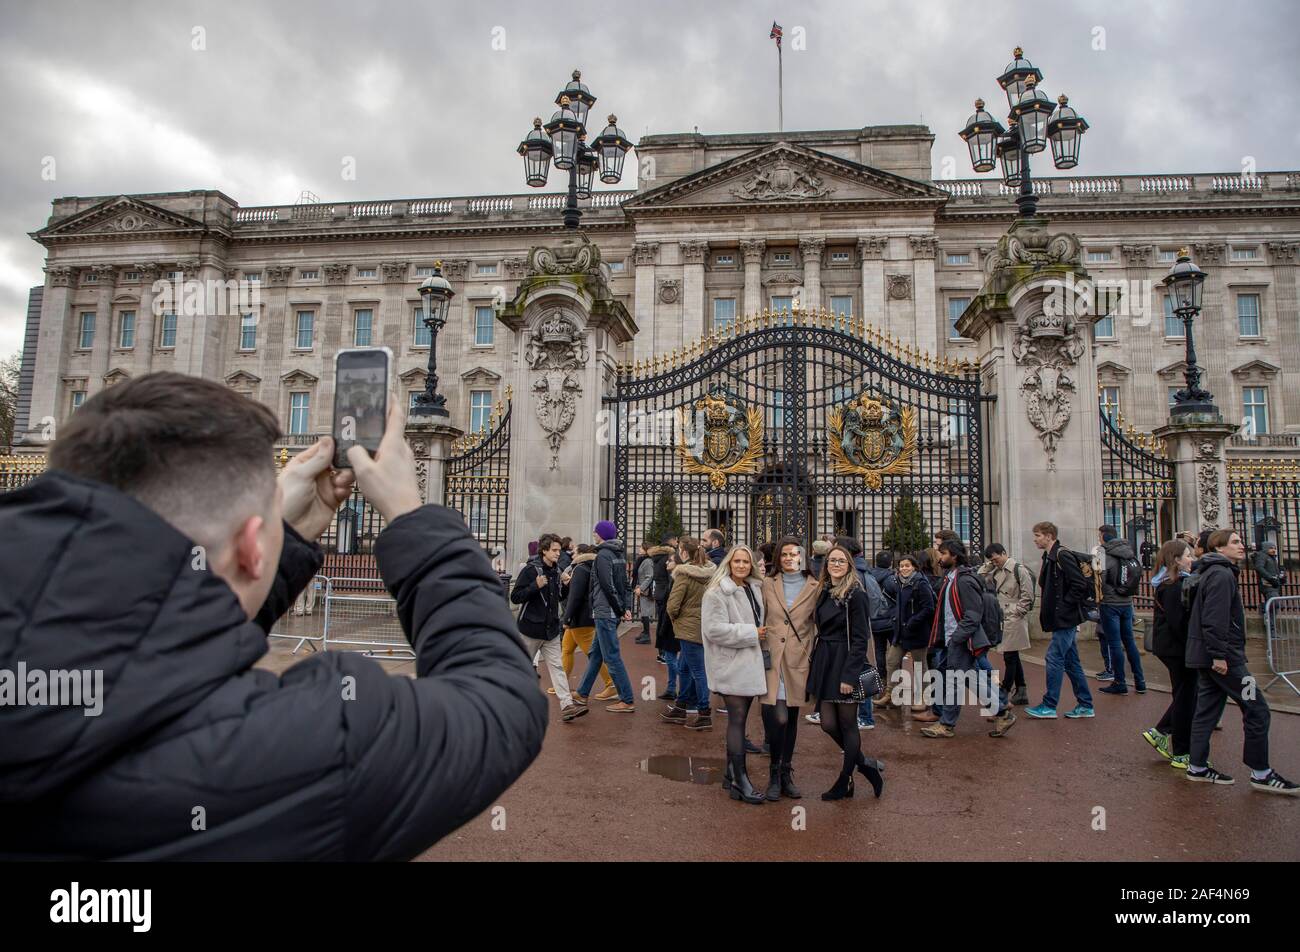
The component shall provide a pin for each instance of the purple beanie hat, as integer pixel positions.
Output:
(606, 530)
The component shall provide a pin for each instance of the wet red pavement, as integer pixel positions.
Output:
(1031, 795)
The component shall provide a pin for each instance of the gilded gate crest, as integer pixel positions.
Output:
(726, 437)
(872, 436)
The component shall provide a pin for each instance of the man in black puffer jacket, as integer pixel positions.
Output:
(539, 591)
(154, 555)
(1216, 647)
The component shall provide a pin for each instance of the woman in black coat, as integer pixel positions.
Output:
(913, 616)
(1172, 736)
(839, 655)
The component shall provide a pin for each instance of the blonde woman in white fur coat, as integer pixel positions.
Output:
(731, 623)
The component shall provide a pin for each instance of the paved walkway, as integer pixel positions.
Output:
(1034, 794)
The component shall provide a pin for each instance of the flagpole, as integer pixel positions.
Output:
(780, 91)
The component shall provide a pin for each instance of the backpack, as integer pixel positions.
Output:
(1031, 586)
(1124, 575)
(1092, 599)
(992, 619)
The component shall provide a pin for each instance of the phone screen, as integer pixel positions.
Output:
(360, 401)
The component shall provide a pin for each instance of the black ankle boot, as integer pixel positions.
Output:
(726, 777)
(843, 788)
(741, 788)
(773, 782)
(874, 777)
(788, 788)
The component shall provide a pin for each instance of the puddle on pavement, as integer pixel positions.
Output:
(702, 770)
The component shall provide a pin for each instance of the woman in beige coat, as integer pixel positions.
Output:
(1014, 584)
(731, 622)
(690, 579)
(789, 601)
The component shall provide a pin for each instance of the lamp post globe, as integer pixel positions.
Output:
(1184, 284)
(981, 134)
(436, 295)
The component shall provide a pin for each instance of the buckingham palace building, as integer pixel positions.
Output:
(719, 226)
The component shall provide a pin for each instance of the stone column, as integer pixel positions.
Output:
(927, 318)
(103, 342)
(693, 255)
(871, 250)
(1216, 325)
(52, 344)
(430, 440)
(275, 287)
(1134, 317)
(1195, 447)
(810, 251)
(752, 249)
(146, 322)
(644, 254)
(1032, 327)
(1286, 304)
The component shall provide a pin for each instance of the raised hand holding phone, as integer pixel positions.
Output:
(388, 481)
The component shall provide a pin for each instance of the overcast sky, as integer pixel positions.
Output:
(264, 100)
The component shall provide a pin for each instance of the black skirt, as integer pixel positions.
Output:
(828, 660)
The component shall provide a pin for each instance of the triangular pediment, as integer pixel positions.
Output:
(119, 217)
(1256, 368)
(785, 174)
(299, 378)
(415, 373)
(480, 375)
(1108, 368)
(1176, 369)
(116, 375)
(242, 378)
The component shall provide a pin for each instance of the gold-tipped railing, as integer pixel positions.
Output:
(473, 440)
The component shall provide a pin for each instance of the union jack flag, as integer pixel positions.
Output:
(776, 33)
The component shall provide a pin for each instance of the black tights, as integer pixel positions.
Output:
(1014, 671)
(737, 714)
(840, 721)
(781, 723)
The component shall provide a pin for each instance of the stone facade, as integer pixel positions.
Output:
(718, 225)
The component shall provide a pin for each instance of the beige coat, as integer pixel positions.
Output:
(733, 660)
(1016, 602)
(791, 649)
(689, 582)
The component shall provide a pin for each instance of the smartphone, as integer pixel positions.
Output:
(361, 376)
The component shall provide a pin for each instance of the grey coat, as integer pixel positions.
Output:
(609, 594)
(733, 659)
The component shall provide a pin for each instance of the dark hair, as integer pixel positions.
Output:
(546, 541)
(1203, 540)
(1219, 538)
(1047, 528)
(585, 547)
(884, 559)
(693, 548)
(774, 563)
(766, 549)
(853, 546)
(994, 548)
(1108, 532)
(953, 547)
(922, 562)
(946, 535)
(192, 450)
(908, 557)
(566, 541)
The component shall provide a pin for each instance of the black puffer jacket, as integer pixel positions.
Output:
(283, 766)
(540, 615)
(913, 611)
(1216, 625)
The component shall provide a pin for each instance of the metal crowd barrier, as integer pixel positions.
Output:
(1282, 619)
(305, 606)
(359, 618)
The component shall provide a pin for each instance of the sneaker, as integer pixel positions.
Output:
(570, 711)
(608, 694)
(1003, 724)
(668, 696)
(1081, 711)
(1157, 740)
(1114, 689)
(661, 661)
(937, 730)
(1020, 697)
(1179, 762)
(550, 690)
(642, 640)
(1141, 689)
(1041, 711)
(865, 725)
(579, 699)
(618, 707)
(674, 715)
(1275, 783)
(1209, 775)
(813, 718)
(1106, 676)
(699, 721)
(722, 710)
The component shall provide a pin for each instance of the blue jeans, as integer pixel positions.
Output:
(1063, 658)
(605, 651)
(693, 691)
(670, 662)
(1117, 625)
(948, 713)
(864, 712)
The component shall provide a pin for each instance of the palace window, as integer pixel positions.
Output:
(299, 412)
(846, 523)
(1113, 514)
(126, 330)
(1173, 395)
(1254, 406)
(424, 271)
(130, 275)
(86, 333)
(616, 266)
(484, 326)
(961, 522)
(308, 275)
(957, 257)
(1110, 403)
(1248, 315)
(253, 277)
(1173, 323)
(1166, 255)
(842, 308)
(724, 314)
(248, 331)
(783, 304)
(305, 330)
(781, 257)
(486, 269)
(78, 398)
(480, 409)
(725, 260)
(411, 398)
(91, 277)
(956, 307)
(1245, 254)
(1098, 257)
(167, 336)
(365, 272)
(778, 409)
(721, 519)
(956, 423)
(362, 325)
(421, 335)
(839, 257)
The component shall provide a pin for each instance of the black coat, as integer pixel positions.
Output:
(577, 605)
(913, 611)
(286, 767)
(1217, 626)
(1063, 590)
(969, 605)
(1169, 632)
(540, 615)
(833, 621)
(662, 579)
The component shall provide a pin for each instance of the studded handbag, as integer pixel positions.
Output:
(869, 682)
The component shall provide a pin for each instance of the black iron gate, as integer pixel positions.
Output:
(806, 425)
(1137, 493)
(476, 480)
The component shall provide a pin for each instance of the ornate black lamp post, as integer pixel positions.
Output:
(436, 293)
(1031, 125)
(1185, 283)
(563, 141)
